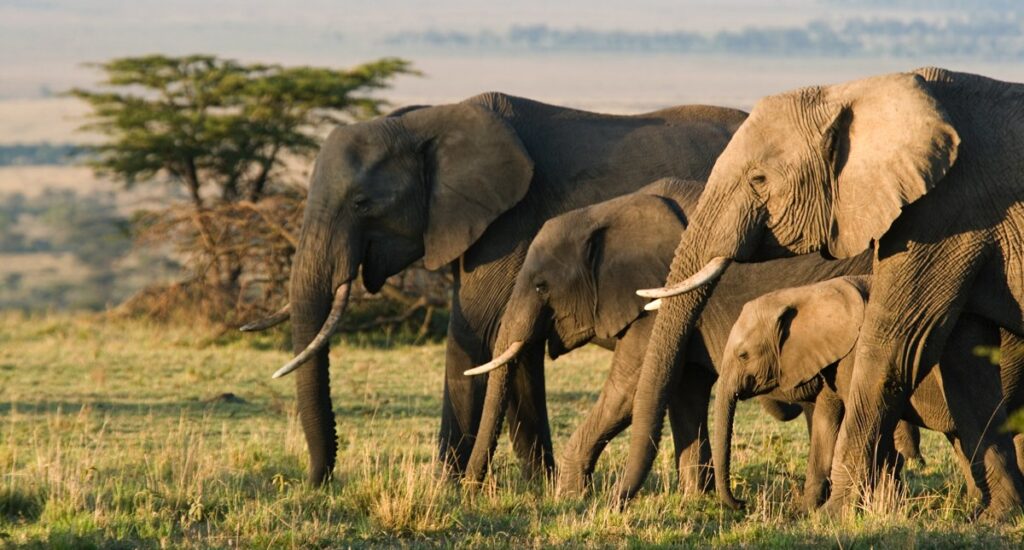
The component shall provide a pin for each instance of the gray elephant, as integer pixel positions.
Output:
(467, 186)
(576, 287)
(795, 345)
(923, 168)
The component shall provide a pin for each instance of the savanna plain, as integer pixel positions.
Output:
(124, 433)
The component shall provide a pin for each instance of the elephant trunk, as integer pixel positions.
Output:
(499, 383)
(721, 451)
(319, 294)
(313, 387)
(705, 253)
(518, 326)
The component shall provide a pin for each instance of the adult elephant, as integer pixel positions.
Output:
(465, 185)
(576, 286)
(923, 167)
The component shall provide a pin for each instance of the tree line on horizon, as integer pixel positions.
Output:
(988, 35)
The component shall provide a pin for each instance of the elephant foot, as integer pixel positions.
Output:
(573, 481)
(696, 480)
(815, 494)
(837, 506)
(993, 516)
(472, 487)
(999, 511)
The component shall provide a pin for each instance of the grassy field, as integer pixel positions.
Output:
(122, 434)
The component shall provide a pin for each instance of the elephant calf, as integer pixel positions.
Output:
(577, 285)
(795, 345)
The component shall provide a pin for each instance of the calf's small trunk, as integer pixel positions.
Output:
(721, 451)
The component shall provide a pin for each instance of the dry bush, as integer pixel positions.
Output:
(239, 258)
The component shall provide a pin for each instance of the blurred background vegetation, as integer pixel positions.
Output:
(227, 147)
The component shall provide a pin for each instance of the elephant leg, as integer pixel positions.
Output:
(609, 415)
(605, 420)
(973, 491)
(828, 416)
(1011, 370)
(907, 439)
(527, 414)
(469, 345)
(808, 409)
(973, 392)
(906, 325)
(688, 416)
(463, 395)
(1018, 447)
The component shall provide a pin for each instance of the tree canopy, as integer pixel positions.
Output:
(228, 132)
(212, 122)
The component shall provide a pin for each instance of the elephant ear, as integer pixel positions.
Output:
(819, 325)
(476, 168)
(890, 142)
(631, 249)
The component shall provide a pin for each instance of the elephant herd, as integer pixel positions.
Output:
(840, 251)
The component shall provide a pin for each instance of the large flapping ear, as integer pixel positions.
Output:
(632, 248)
(476, 168)
(819, 325)
(890, 142)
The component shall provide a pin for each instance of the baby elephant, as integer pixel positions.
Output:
(794, 344)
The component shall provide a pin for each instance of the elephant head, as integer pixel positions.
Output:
(576, 284)
(818, 169)
(421, 183)
(780, 342)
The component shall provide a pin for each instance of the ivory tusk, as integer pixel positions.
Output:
(508, 355)
(275, 319)
(653, 305)
(326, 331)
(708, 273)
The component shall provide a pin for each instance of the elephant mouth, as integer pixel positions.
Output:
(559, 344)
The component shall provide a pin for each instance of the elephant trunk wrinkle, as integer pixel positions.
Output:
(725, 412)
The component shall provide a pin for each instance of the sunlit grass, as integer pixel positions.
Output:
(117, 433)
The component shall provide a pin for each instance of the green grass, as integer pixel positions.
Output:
(112, 435)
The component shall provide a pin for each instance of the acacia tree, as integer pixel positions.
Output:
(225, 131)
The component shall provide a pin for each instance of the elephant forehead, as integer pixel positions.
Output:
(750, 319)
(556, 255)
(357, 146)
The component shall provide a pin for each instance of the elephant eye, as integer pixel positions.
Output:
(541, 287)
(361, 204)
(743, 355)
(758, 179)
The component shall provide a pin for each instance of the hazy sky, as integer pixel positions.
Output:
(43, 43)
